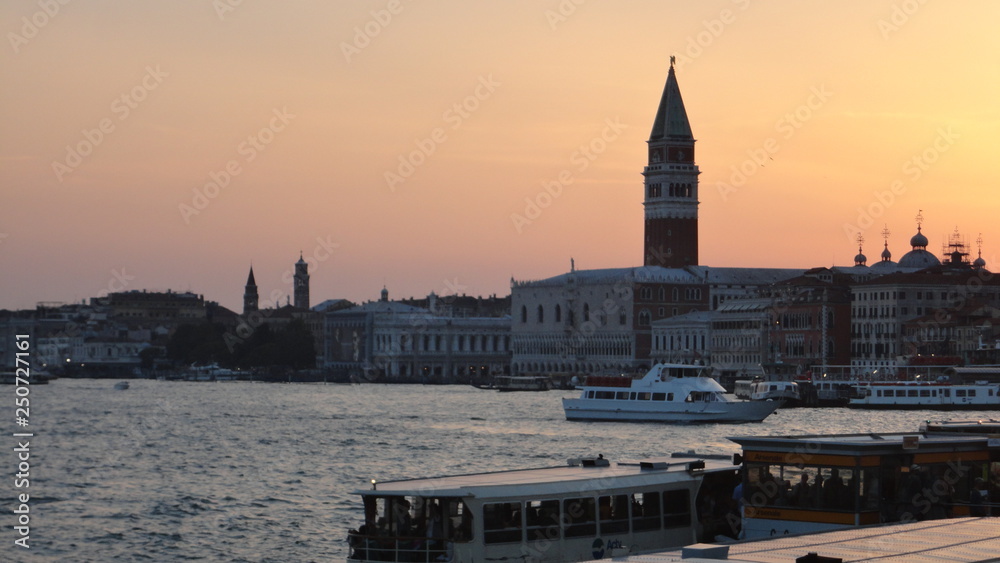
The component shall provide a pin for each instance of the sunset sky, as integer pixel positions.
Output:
(169, 145)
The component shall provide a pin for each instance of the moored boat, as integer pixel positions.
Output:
(935, 395)
(588, 509)
(786, 391)
(522, 383)
(667, 393)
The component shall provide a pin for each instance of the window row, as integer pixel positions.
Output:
(570, 316)
(548, 520)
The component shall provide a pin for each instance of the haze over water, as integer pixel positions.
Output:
(240, 471)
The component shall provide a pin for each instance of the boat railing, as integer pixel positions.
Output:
(367, 547)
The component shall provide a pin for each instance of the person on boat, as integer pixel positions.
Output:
(912, 493)
(833, 489)
(979, 499)
(402, 521)
(799, 495)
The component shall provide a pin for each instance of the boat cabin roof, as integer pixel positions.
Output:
(976, 426)
(575, 477)
(864, 444)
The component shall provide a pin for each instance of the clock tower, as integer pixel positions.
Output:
(671, 183)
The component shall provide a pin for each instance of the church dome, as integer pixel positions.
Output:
(918, 258)
(979, 262)
(918, 240)
(886, 255)
(884, 267)
(860, 259)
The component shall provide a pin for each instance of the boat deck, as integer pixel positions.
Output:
(966, 540)
(551, 479)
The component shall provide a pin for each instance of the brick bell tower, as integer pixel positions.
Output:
(671, 182)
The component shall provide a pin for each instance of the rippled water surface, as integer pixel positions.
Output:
(240, 471)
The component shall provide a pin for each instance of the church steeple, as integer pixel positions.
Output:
(301, 283)
(671, 199)
(250, 296)
(671, 117)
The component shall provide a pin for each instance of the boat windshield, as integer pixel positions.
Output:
(703, 397)
(414, 528)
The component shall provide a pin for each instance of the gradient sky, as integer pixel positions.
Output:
(310, 104)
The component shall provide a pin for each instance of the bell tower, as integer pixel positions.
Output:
(250, 296)
(301, 283)
(671, 184)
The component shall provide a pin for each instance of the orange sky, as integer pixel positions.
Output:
(118, 117)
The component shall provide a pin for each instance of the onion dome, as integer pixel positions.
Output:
(918, 240)
(979, 263)
(919, 258)
(860, 259)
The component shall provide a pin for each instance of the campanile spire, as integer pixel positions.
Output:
(671, 184)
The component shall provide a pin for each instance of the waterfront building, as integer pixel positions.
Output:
(683, 339)
(13, 323)
(391, 341)
(810, 319)
(937, 293)
(167, 308)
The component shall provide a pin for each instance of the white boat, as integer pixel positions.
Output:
(522, 383)
(667, 393)
(209, 372)
(938, 395)
(587, 509)
(787, 391)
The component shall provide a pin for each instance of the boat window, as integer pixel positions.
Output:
(643, 396)
(542, 517)
(632, 396)
(645, 511)
(460, 517)
(972, 392)
(925, 392)
(825, 488)
(502, 522)
(605, 394)
(580, 515)
(946, 392)
(870, 489)
(614, 514)
(676, 509)
(622, 396)
(959, 392)
(659, 396)
(911, 392)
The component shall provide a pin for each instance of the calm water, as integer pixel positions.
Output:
(239, 471)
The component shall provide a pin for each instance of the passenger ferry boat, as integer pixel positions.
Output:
(588, 509)
(505, 383)
(667, 393)
(593, 509)
(939, 395)
(786, 391)
(815, 483)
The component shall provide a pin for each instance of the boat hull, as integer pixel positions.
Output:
(742, 411)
